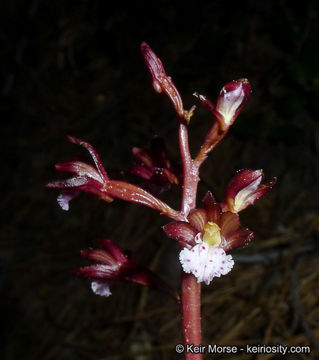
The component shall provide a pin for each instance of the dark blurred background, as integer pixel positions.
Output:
(74, 68)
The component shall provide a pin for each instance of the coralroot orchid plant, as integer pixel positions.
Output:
(205, 235)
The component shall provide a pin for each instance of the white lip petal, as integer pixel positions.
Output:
(206, 262)
(64, 199)
(101, 288)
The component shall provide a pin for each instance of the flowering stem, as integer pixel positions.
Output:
(191, 317)
(190, 173)
(191, 290)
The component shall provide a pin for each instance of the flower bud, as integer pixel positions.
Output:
(231, 101)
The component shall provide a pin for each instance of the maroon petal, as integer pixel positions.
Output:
(80, 168)
(98, 271)
(93, 153)
(212, 208)
(115, 251)
(181, 231)
(238, 238)
(198, 219)
(229, 222)
(98, 255)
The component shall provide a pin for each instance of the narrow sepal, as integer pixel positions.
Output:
(95, 156)
(99, 271)
(116, 251)
(98, 255)
(80, 168)
(212, 208)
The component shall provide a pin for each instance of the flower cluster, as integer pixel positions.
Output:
(205, 234)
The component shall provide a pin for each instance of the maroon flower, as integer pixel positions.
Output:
(212, 225)
(153, 166)
(244, 189)
(94, 179)
(88, 178)
(111, 264)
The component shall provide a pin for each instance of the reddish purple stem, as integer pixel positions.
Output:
(191, 290)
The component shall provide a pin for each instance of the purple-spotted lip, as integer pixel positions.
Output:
(205, 262)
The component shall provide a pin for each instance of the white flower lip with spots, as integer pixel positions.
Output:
(205, 262)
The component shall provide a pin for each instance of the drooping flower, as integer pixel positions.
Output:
(244, 189)
(112, 264)
(206, 237)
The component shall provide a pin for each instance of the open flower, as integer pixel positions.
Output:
(112, 264)
(88, 178)
(92, 178)
(206, 237)
(244, 189)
